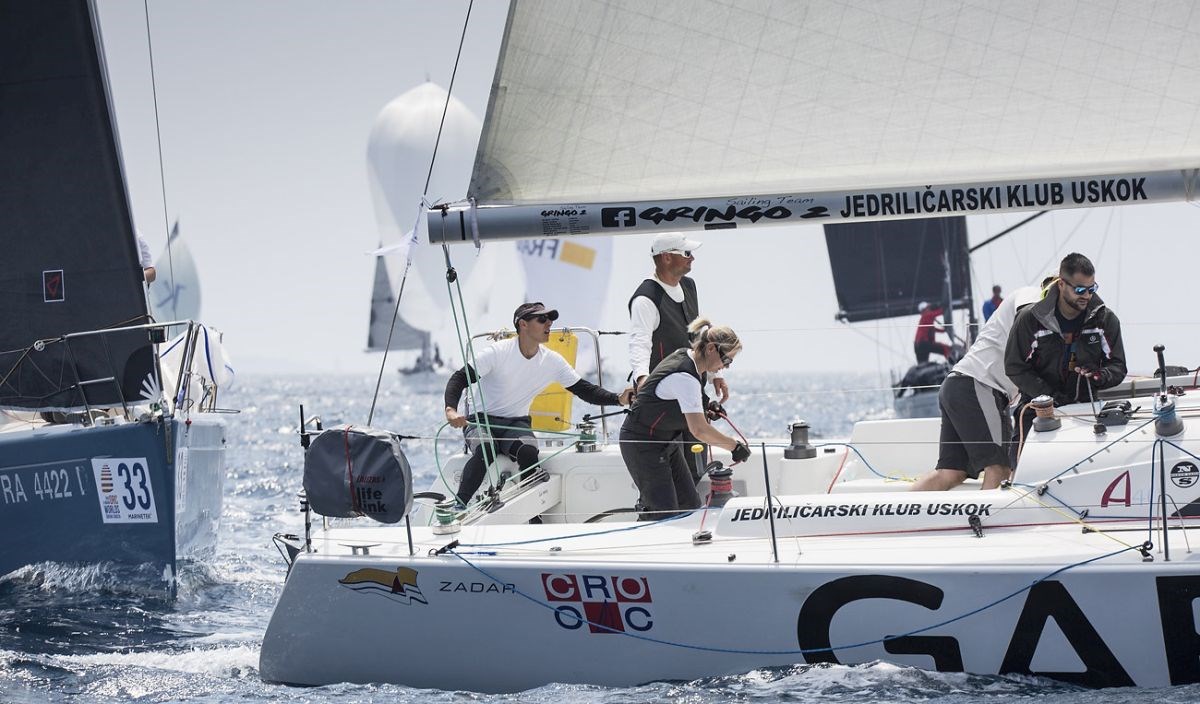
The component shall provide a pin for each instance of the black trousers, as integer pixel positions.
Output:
(662, 474)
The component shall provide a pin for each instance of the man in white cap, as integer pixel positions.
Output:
(662, 307)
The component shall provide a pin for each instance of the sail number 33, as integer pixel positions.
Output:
(125, 491)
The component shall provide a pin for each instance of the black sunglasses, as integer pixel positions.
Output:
(726, 360)
(1080, 290)
(542, 318)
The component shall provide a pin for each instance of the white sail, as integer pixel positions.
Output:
(175, 292)
(741, 112)
(571, 275)
(399, 150)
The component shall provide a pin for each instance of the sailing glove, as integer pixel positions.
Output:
(741, 453)
(715, 410)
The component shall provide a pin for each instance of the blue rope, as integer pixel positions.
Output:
(800, 651)
(861, 457)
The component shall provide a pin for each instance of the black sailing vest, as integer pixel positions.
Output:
(653, 417)
(673, 318)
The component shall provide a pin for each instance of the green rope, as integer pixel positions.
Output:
(467, 351)
(437, 459)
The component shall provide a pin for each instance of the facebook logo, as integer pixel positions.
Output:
(617, 217)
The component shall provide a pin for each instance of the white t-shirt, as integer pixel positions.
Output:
(509, 382)
(643, 321)
(144, 256)
(984, 362)
(682, 388)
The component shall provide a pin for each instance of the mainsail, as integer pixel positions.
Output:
(70, 259)
(621, 116)
(886, 269)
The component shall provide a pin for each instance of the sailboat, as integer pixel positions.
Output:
(175, 292)
(884, 270)
(100, 460)
(383, 334)
(399, 150)
(612, 117)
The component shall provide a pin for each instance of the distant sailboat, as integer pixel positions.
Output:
(398, 155)
(886, 270)
(175, 292)
(402, 336)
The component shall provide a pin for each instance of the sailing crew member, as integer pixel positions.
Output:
(974, 399)
(662, 307)
(145, 259)
(991, 304)
(927, 330)
(669, 402)
(1068, 346)
(510, 374)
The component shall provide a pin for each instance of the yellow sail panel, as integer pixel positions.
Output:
(551, 409)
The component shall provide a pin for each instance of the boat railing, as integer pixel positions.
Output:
(594, 334)
(156, 333)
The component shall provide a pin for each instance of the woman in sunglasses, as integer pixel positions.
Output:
(670, 401)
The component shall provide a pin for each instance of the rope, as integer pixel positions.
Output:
(625, 529)
(162, 178)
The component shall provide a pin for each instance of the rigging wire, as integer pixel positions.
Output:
(162, 177)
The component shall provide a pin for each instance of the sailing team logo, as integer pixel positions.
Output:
(400, 585)
(606, 603)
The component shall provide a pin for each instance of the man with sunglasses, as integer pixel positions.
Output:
(510, 373)
(663, 306)
(1068, 345)
(974, 398)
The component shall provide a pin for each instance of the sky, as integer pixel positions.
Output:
(252, 131)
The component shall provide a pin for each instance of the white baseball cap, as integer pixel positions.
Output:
(672, 242)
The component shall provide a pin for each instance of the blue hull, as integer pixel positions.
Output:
(73, 494)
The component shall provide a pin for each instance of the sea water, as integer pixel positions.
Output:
(99, 634)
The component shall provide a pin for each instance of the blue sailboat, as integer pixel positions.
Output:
(98, 462)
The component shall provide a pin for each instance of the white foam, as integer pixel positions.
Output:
(225, 661)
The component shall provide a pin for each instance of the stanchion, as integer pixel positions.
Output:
(770, 501)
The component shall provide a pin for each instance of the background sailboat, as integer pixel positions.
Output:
(885, 270)
(399, 152)
(175, 292)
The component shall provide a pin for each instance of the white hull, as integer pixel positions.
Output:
(1067, 574)
(706, 615)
